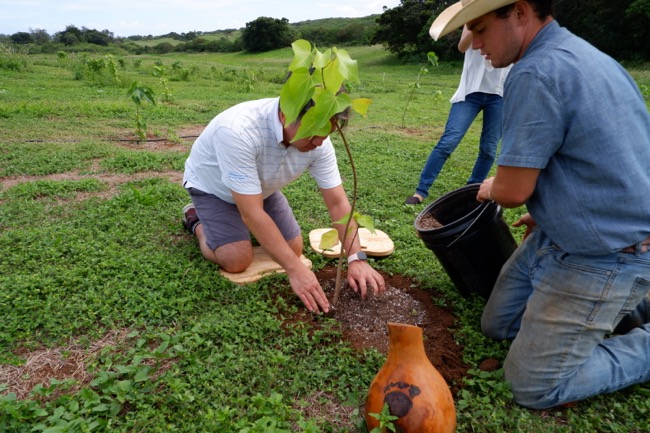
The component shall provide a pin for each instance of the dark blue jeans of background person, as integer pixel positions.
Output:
(461, 116)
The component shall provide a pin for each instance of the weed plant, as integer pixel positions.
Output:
(82, 258)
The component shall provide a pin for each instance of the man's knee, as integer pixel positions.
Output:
(527, 390)
(235, 257)
(533, 400)
(490, 328)
(235, 267)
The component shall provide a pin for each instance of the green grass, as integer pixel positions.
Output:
(200, 353)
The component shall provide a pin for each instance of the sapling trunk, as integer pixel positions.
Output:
(339, 268)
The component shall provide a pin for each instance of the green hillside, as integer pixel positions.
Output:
(309, 27)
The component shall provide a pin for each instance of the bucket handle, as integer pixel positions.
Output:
(469, 226)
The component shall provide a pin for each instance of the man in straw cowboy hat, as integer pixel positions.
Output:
(573, 298)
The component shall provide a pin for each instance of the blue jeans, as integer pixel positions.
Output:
(558, 309)
(461, 116)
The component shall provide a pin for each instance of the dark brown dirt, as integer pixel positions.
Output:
(364, 322)
(427, 221)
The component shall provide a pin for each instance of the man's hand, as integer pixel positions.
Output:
(484, 190)
(528, 221)
(361, 276)
(305, 284)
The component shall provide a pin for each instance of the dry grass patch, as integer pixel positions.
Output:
(65, 364)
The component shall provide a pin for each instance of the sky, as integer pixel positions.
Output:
(158, 17)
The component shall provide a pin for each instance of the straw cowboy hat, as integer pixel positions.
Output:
(460, 13)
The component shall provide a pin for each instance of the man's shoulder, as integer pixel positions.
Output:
(249, 119)
(252, 108)
(556, 54)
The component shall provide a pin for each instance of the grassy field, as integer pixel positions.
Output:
(140, 334)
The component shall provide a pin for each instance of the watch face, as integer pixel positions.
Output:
(362, 255)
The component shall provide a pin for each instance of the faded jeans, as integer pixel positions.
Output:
(559, 308)
(461, 116)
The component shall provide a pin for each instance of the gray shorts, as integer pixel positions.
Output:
(222, 223)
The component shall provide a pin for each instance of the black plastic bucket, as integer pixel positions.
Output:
(473, 242)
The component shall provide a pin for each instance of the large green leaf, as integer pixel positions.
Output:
(322, 59)
(295, 93)
(347, 67)
(312, 125)
(316, 122)
(303, 55)
(332, 77)
(139, 92)
(319, 76)
(365, 221)
(328, 103)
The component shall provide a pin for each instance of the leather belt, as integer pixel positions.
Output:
(632, 248)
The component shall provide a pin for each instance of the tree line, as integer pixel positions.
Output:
(620, 28)
(262, 34)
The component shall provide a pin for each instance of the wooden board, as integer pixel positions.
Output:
(262, 265)
(374, 245)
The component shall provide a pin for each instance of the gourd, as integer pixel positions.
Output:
(410, 385)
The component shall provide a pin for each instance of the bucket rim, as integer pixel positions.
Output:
(449, 227)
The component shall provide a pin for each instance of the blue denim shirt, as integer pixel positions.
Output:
(576, 114)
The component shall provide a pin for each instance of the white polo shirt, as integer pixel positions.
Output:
(241, 150)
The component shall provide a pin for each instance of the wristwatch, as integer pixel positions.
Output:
(357, 256)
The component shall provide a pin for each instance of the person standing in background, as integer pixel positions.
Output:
(480, 89)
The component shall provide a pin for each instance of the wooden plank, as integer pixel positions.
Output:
(262, 265)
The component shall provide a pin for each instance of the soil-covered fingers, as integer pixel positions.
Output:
(362, 277)
(312, 304)
(310, 292)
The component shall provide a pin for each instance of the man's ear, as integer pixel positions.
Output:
(522, 10)
(282, 117)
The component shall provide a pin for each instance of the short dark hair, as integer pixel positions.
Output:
(542, 8)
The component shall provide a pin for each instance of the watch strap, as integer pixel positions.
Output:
(357, 256)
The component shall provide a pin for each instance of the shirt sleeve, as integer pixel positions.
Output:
(324, 169)
(534, 122)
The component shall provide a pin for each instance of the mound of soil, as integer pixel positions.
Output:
(364, 321)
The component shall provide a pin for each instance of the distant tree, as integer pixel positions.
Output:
(404, 29)
(76, 31)
(40, 36)
(68, 39)
(198, 45)
(97, 38)
(318, 35)
(189, 36)
(637, 20)
(70, 36)
(163, 48)
(173, 35)
(266, 34)
(620, 28)
(224, 45)
(21, 38)
(352, 33)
